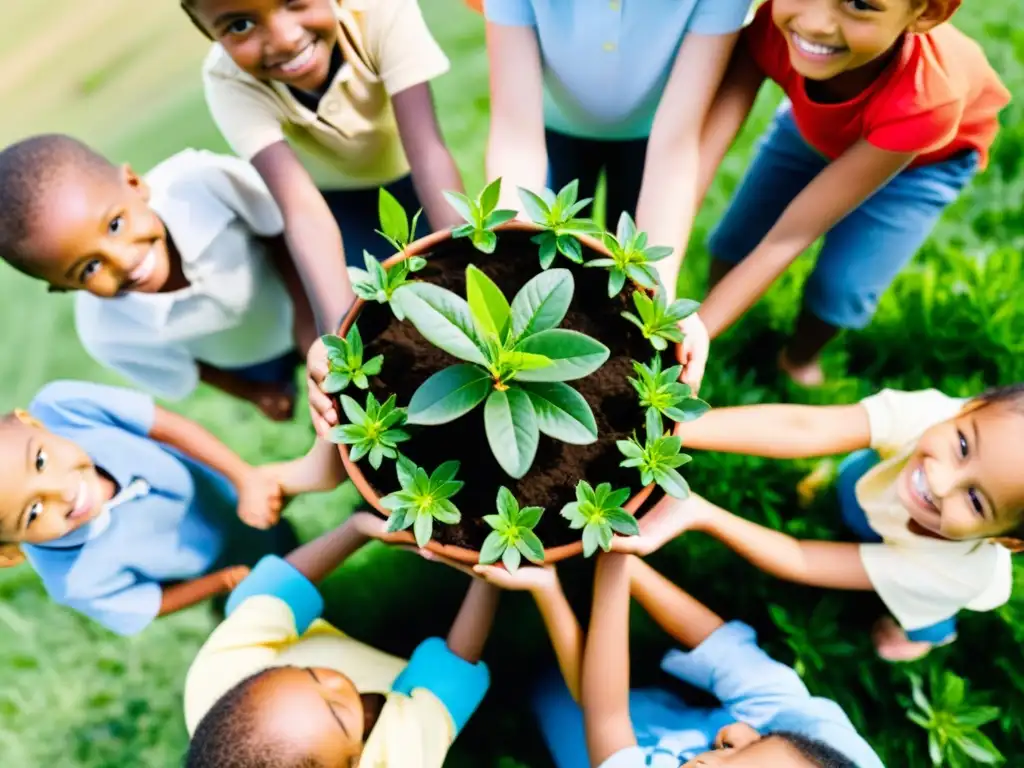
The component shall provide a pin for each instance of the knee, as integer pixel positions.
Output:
(841, 298)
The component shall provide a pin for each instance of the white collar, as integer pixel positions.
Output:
(136, 489)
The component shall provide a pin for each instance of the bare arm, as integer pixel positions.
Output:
(682, 616)
(605, 685)
(304, 321)
(565, 633)
(837, 190)
(780, 431)
(311, 233)
(178, 597)
(195, 441)
(472, 625)
(668, 194)
(433, 169)
(516, 149)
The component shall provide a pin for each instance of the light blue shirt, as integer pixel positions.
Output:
(606, 62)
(111, 568)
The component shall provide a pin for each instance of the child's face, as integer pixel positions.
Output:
(289, 41)
(829, 37)
(49, 486)
(99, 234)
(740, 746)
(318, 711)
(964, 480)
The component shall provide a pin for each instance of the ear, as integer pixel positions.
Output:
(27, 419)
(1014, 545)
(11, 555)
(933, 13)
(136, 182)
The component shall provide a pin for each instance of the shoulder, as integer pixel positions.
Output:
(896, 417)
(55, 397)
(218, 66)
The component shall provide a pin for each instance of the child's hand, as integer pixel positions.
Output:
(321, 405)
(667, 520)
(529, 578)
(694, 350)
(234, 576)
(260, 498)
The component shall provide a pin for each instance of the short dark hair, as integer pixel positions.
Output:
(818, 753)
(1011, 395)
(225, 737)
(28, 170)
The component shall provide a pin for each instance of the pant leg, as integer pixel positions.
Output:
(624, 172)
(852, 469)
(280, 370)
(570, 157)
(561, 722)
(864, 252)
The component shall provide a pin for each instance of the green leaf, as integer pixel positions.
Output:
(687, 410)
(398, 520)
(461, 204)
(445, 512)
(443, 318)
(333, 342)
(393, 221)
(416, 263)
(622, 522)
(529, 517)
(591, 539)
(335, 382)
(464, 231)
(626, 229)
(523, 361)
(372, 366)
(573, 355)
(511, 559)
(406, 471)
(642, 275)
(530, 545)
(562, 412)
(507, 505)
(534, 206)
(423, 528)
(671, 482)
(493, 546)
(490, 196)
(616, 281)
(570, 247)
(604, 537)
(657, 252)
(445, 473)
(353, 411)
(496, 218)
(487, 304)
(548, 243)
(541, 304)
(449, 394)
(511, 427)
(484, 240)
(630, 449)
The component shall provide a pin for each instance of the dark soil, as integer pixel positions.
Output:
(409, 359)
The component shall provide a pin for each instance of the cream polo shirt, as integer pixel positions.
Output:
(921, 580)
(236, 312)
(351, 141)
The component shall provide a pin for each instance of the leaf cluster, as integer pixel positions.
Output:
(512, 537)
(662, 392)
(480, 215)
(599, 513)
(556, 213)
(373, 431)
(423, 499)
(345, 363)
(658, 320)
(631, 257)
(658, 457)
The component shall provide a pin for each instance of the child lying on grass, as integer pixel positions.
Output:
(766, 718)
(934, 490)
(277, 686)
(128, 511)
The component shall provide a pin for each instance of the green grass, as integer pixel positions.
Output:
(77, 696)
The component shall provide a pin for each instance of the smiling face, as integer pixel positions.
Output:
(98, 233)
(829, 37)
(289, 41)
(740, 746)
(964, 480)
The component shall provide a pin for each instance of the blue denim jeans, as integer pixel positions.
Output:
(280, 370)
(853, 468)
(863, 253)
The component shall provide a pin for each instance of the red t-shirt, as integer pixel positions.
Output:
(939, 96)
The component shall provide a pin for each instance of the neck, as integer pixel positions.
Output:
(176, 279)
(373, 703)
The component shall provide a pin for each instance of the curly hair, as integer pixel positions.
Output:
(817, 753)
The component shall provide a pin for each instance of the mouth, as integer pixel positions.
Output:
(300, 63)
(145, 268)
(817, 51)
(82, 505)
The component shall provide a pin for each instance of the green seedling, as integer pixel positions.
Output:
(372, 432)
(423, 499)
(394, 222)
(557, 215)
(516, 360)
(480, 215)
(953, 723)
(658, 321)
(512, 538)
(657, 458)
(600, 514)
(379, 283)
(345, 362)
(631, 257)
(662, 392)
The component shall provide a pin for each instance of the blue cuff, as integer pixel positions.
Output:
(459, 684)
(277, 578)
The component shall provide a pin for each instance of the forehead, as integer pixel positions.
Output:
(214, 9)
(16, 439)
(771, 751)
(74, 207)
(1000, 447)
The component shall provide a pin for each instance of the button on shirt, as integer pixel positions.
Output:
(606, 62)
(236, 311)
(111, 568)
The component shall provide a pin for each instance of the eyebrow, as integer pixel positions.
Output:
(227, 17)
(329, 707)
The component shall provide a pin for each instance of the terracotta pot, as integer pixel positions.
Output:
(422, 247)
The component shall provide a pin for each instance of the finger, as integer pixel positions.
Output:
(316, 365)
(322, 404)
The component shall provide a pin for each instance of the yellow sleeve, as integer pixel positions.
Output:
(246, 642)
(412, 732)
(402, 47)
(897, 418)
(243, 109)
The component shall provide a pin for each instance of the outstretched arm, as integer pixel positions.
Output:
(681, 615)
(182, 433)
(472, 625)
(178, 597)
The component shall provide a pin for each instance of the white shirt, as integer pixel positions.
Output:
(236, 311)
(922, 580)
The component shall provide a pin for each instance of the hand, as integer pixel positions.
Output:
(277, 403)
(322, 409)
(528, 578)
(260, 498)
(693, 352)
(666, 520)
(374, 527)
(234, 576)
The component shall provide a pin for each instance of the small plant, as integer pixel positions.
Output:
(659, 321)
(394, 222)
(662, 392)
(377, 283)
(345, 362)
(512, 538)
(657, 458)
(953, 723)
(516, 359)
(631, 257)
(372, 432)
(557, 214)
(423, 499)
(480, 215)
(600, 514)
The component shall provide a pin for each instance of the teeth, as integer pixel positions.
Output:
(301, 60)
(813, 48)
(145, 267)
(921, 485)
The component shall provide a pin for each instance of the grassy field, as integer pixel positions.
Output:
(77, 696)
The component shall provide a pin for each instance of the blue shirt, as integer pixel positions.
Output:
(111, 568)
(606, 62)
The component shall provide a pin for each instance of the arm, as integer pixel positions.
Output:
(311, 233)
(177, 597)
(516, 148)
(668, 194)
(317, 559)
(682, 616)
(564, 631)
(837, 190)
(472, 625)
(304, 322)
(780, 431)
(433, 169)
(605, 685)
(190, 438)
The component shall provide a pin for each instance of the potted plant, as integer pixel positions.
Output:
(505, 386)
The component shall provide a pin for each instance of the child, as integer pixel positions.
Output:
(330, 100)
(890, 113)
(182, 276)
(128, 511)
(275, 685)
(934, 490)
(767, 717)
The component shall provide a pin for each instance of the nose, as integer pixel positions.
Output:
(284, 35)
(817, 19)
(942, 478)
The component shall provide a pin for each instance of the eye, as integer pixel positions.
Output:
(976, 503)
(41, 458)
(34, 511)
(239, 27)
(89, 270)
(963, 444)
(116, 225)
(862, 6)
